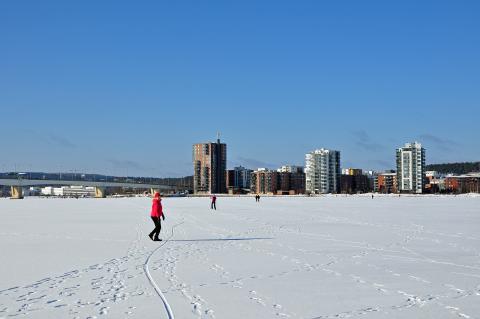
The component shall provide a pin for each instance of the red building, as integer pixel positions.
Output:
(468, 183)
(386, 183)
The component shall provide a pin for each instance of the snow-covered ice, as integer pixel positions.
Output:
(285, 257)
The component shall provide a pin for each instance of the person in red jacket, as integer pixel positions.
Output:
(156, 213)
(213, 205)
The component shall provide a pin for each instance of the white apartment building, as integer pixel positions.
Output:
(411, 168)
(322, 171)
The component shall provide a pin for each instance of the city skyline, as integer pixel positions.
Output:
(125, 89)
(231, 165)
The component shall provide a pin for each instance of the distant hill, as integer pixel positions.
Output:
(455, 168)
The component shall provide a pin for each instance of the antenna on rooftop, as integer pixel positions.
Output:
(218, 137)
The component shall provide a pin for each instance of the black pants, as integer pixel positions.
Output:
(158, 227)
(213, 206)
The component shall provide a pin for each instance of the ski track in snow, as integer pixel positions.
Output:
(105, 288)
(107, 280)
(93, 289)
(168, 309)
(411, 299)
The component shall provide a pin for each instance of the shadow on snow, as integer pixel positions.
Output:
(222, 239)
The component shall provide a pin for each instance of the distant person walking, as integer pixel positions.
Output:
(257, 198)
(156, 213)
(213, 205)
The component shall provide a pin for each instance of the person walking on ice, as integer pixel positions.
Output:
(156, 213)
(213, 205)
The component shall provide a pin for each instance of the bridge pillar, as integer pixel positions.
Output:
(100, 192)
(17, 192)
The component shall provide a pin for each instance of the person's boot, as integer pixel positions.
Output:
(157, 239)
(151, 236)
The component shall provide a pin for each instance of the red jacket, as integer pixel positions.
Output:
(157, 209)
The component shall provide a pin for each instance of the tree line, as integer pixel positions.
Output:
(455, 168)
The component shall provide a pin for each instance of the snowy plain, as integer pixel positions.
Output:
(285, 257)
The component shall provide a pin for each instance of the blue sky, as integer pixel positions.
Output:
(126, 87)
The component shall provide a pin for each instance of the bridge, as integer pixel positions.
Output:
(16, 185)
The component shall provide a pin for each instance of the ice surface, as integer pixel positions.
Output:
(285, 257)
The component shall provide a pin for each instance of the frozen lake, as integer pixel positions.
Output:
(323, 257)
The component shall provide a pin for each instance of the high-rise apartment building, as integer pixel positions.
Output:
(209, 166)
(322, 171)
(411, 168)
